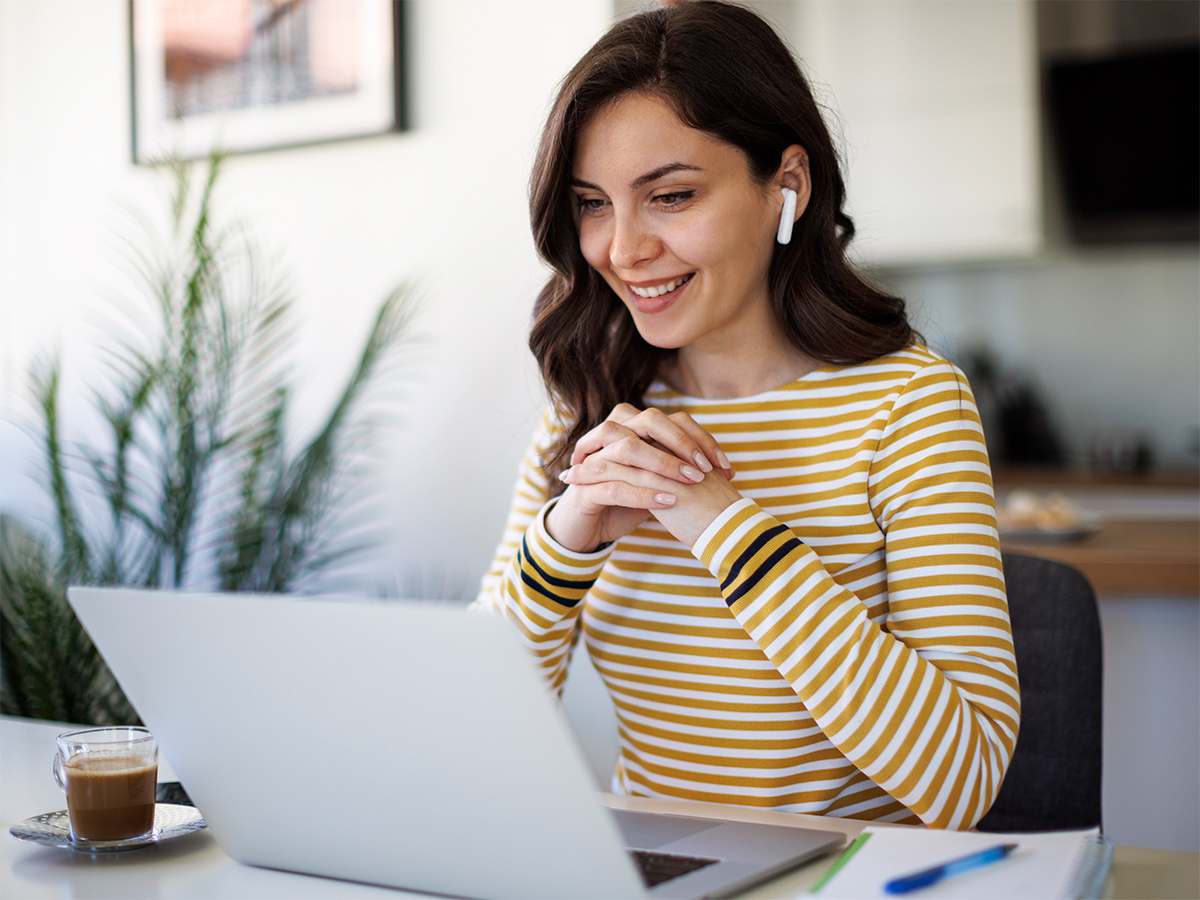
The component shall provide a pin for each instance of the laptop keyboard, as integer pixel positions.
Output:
(659, 867)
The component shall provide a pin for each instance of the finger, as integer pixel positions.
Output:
(657, 428)
(678, 434)
(617, 493)
(682, 435)
(607, 432)
(708, 447)
(622, 413)
(598, 470)
(635, 447)
(632, 452)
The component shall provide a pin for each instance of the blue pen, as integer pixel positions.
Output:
(926, 877)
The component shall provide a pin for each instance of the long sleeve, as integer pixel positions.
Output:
(923, 699)
(534, 581)
(837, 642)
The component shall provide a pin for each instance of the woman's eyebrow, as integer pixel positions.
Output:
(642, 180)
(661, 171)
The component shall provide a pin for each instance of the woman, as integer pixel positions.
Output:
(766, 507)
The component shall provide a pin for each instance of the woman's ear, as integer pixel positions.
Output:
(793, 173)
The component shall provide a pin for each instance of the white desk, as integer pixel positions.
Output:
(194, 866)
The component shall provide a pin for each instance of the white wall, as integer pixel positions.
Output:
(1110, 337)
(443, 205)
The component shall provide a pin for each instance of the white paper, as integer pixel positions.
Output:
(1044, 865)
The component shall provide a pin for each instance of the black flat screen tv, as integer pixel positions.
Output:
(1126, 131)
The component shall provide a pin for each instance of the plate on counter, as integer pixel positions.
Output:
(1026, 516)
(1087, 523)
(54, 830)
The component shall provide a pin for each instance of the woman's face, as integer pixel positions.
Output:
(672, 220)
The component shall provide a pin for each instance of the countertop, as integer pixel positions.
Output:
(1146, 539)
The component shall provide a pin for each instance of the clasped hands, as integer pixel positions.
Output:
(636, 464)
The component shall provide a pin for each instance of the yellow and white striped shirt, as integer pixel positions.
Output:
(838, 640)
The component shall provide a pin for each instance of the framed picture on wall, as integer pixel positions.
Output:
(248, 75)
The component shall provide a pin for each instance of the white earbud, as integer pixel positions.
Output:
(788, 217)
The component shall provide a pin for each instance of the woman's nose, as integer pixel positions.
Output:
(632, 243)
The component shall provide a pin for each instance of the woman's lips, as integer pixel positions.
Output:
(662, 294)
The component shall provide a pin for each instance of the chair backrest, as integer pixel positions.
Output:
(1054, 779)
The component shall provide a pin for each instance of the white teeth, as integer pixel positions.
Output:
(661, 289)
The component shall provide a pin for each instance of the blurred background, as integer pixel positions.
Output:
(1079, 323)
(953, 180)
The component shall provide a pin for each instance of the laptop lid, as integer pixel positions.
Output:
(401, 743)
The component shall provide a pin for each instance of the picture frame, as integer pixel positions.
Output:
(244, 76)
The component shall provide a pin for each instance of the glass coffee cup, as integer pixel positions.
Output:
(109, 776)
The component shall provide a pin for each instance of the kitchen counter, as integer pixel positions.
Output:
(1148, 537)
(1130, 556)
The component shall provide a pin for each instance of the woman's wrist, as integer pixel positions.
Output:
(558, 530)
(698, 508)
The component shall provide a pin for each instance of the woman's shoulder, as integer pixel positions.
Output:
(913, 358)
(915, 361)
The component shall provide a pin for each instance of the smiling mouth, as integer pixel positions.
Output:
(649, 293)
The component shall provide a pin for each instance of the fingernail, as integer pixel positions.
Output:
(702, 461)
(664, 499)
(723, 459)
(691, 474)
(562, 476)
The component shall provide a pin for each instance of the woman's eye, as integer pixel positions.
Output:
(589, 204)
(673, 198)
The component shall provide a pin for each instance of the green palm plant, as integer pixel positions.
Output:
(195, 461)
(50, 668)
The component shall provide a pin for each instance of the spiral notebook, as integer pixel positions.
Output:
(1048, 864)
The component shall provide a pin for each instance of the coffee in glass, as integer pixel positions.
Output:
(110, 776)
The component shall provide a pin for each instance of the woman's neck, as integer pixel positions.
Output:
(735, 372)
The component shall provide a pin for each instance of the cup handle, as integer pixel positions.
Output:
(58, 772)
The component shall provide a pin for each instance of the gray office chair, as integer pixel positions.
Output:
(1054, 779)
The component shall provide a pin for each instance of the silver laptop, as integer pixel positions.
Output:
(406, 744)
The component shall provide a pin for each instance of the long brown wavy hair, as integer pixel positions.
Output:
(724, 71)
